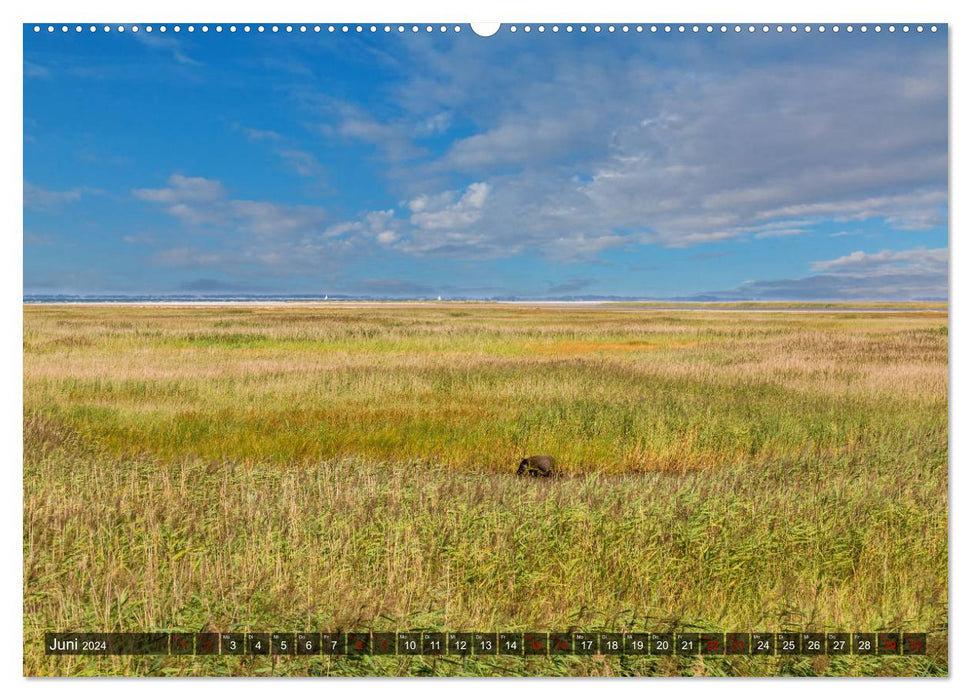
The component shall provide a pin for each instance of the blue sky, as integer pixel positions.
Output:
(736, 166)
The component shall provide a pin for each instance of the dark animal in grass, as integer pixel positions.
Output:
(537, 465)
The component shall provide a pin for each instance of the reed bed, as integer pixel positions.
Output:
(333, 467)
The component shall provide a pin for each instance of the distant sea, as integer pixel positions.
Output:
(162, 298)
(695, 303)
(256, 298)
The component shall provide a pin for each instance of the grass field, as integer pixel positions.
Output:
(340, 467)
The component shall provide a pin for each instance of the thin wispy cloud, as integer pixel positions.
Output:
(43, 199)
(299, 161)
(916, 273)
(884, 261)
(200, 201)
(166, 44)
(36, 70)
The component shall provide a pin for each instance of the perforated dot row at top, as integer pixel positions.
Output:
(513, 28)
(246, 28)
(720, 28)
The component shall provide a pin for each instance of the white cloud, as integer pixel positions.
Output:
(920, 209)
(445, 211)
(267, 218)
(435, 124)
(381, 226)
(183, 189)
(513, 141)
(392, 139)
(603, 149)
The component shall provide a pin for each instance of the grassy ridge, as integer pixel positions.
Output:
(301, 469)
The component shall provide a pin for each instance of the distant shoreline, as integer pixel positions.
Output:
(718, 306)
